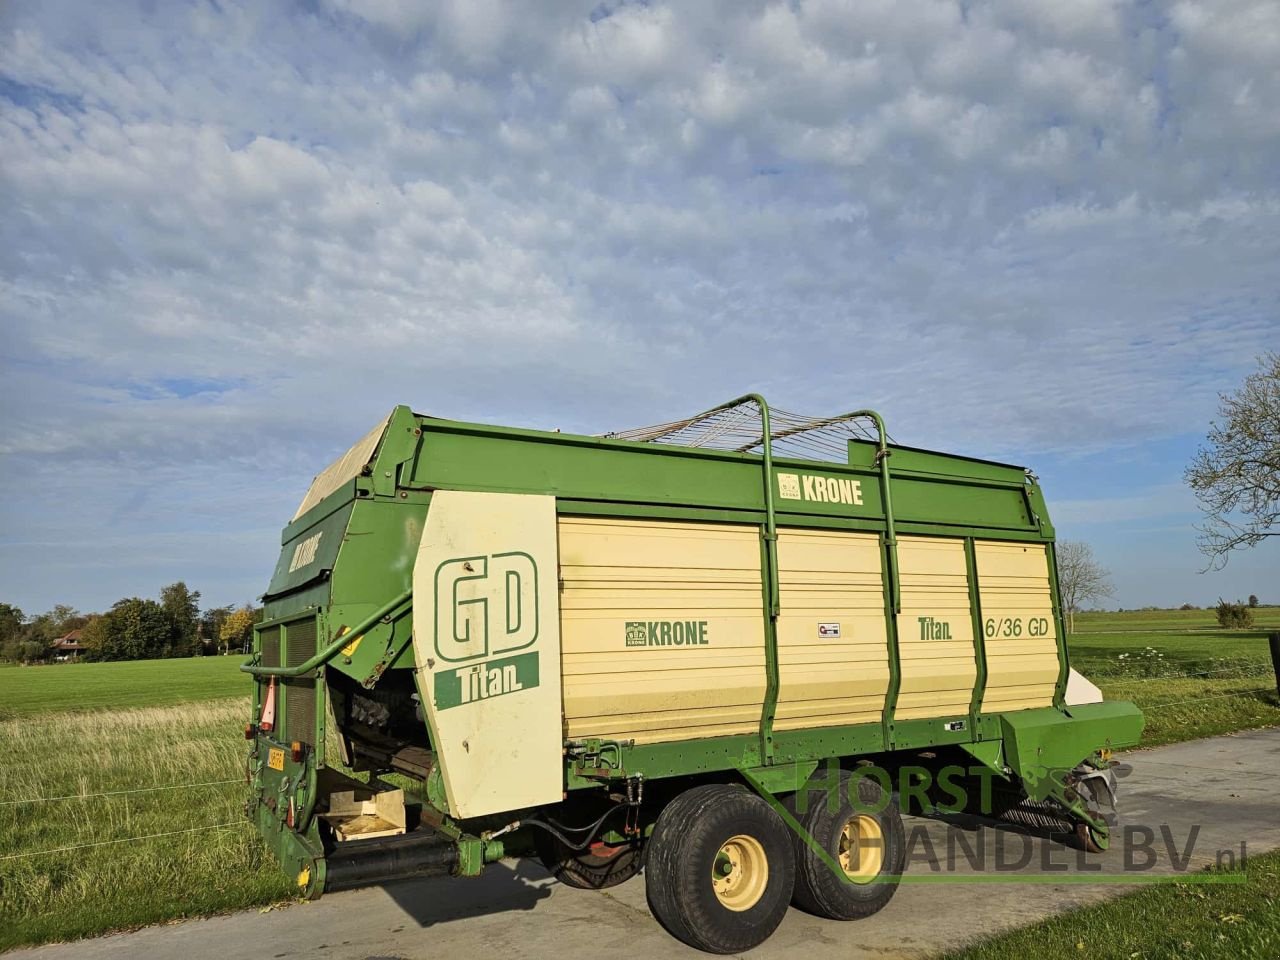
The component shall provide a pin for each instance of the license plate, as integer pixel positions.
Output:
(275, 759)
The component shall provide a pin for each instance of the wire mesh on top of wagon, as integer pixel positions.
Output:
(740, 429)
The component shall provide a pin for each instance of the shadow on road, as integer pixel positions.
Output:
(502, 888)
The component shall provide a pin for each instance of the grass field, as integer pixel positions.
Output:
(1179, 921)
(1190, 677)
(74, 732)
(56, 768)
(1187, 640)
(25, 691)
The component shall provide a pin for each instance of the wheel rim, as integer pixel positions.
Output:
(861, 852)
(740, 873)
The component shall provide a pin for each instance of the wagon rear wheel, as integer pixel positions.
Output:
(720, 869)
(863, 851)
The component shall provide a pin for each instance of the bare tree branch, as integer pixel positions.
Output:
(1081, 578)
(1236, 477)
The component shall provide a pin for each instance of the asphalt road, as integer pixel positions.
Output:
(1196, 799)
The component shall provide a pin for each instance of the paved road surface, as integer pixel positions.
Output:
(1227, 786)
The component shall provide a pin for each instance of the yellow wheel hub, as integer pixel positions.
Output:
(740, 873)
(861, 852)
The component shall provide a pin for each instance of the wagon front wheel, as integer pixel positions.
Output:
(598, 867)
(719, 869)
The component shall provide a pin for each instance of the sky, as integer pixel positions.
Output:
(234, 235)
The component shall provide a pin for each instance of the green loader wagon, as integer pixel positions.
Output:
(704, 649)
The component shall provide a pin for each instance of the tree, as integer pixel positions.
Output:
(95, 637)
(55, 623)
(12, 621)
(1236, 477)
(1081, 578)
(1253, 599)
(211, 622)
(182, 606)
(133, 629)
(34, 650)
(237, 629)
(1234, 616)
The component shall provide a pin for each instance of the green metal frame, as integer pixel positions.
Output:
(769, 552)
(1064, 656)
(384, 614)
(891, 607)
(365, 593)
(979, 632)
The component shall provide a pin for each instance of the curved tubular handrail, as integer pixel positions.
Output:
(328, 653)
(891, 537)
(771, 526)
(766, 442)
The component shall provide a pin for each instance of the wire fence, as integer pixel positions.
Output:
(1216, 696)
(1198, 674)
(1243, 673)
(120, 793)
(104, 843)
(1246, 670)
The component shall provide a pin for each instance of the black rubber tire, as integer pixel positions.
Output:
(582, 869)
(681, 854)
(824, 892)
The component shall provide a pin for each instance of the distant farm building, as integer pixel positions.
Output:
(68, 647)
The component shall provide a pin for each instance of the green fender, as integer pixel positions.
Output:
(1040, 743)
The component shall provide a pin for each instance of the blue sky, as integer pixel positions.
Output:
(233, 235)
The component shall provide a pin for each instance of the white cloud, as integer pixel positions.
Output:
(1021, 230)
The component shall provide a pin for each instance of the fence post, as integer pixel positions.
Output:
(1275, 658)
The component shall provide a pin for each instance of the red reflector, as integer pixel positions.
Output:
(295, 751)
(249, 731)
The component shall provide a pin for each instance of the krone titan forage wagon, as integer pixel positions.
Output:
(650, 649)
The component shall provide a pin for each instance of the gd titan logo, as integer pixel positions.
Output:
(486, 606)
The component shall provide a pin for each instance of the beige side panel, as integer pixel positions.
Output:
(833, 655)
(1017, 616)
(935, 629)
(626, 676)
(486, 637)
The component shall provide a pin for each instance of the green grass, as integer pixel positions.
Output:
(1177, 921)
(1190, 677)
(1186, 638)
(1177, 710)
(1264, 618)
(27, 691)
(91, 889)
(72, 730)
